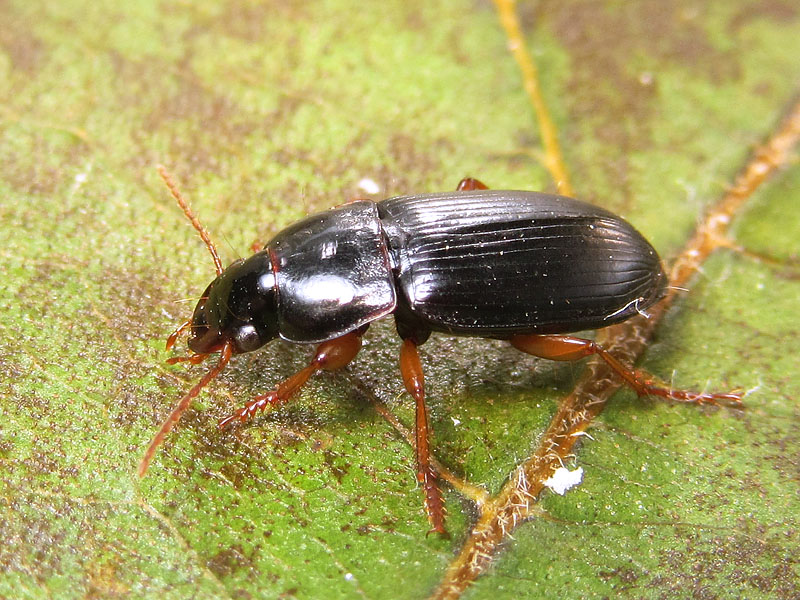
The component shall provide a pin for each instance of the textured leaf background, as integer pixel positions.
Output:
(268, 110)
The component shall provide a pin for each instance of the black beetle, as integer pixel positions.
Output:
(526, 267)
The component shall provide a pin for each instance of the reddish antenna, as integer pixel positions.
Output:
(187, 210)
(180, 407)
(226, 351)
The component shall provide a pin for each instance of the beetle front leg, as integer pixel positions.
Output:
(414, 380)
(330, 356)
(564, 347)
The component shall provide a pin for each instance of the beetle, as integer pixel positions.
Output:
(521, 266)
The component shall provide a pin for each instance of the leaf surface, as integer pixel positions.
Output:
(267, 111)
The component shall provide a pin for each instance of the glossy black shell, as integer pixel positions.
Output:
(496, 263)
(488, 263)
(332, 273)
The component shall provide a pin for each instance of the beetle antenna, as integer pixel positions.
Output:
(180, 408)
(187, 210)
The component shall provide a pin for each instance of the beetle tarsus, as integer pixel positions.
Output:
(249, 410)
(414, 381)
(434, 503)
(275, 397)
(568, 348)
(243, 414)
(330, 356)
(194, 359)
(646, 387)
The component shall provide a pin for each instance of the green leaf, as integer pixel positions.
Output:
(267, 111)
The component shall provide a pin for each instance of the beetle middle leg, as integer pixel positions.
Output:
(330, 356)
(563, 347)
(414, 380)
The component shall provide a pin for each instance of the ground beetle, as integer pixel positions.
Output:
(526, 267)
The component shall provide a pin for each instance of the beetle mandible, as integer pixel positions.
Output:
(525, 267)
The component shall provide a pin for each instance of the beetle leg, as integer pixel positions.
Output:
(194, 359)
(563, 347)
(468, 184)
(330, 356)
(414, 380)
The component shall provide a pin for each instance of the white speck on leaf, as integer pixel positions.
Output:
(563, 479)
(369, 186)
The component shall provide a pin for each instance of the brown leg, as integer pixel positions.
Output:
(331, 355)
(414, 380)
(563, 347)
(468, 184)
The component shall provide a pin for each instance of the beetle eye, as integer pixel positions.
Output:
(247, 338)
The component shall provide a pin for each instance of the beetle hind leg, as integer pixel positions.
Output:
(414, 381)
(469, 184)
(563, 347)
(330, 356)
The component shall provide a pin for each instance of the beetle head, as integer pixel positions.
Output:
(237, 313)
(239, 306)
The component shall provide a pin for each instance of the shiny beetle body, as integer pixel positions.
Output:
(522, 266)
(487, 263)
